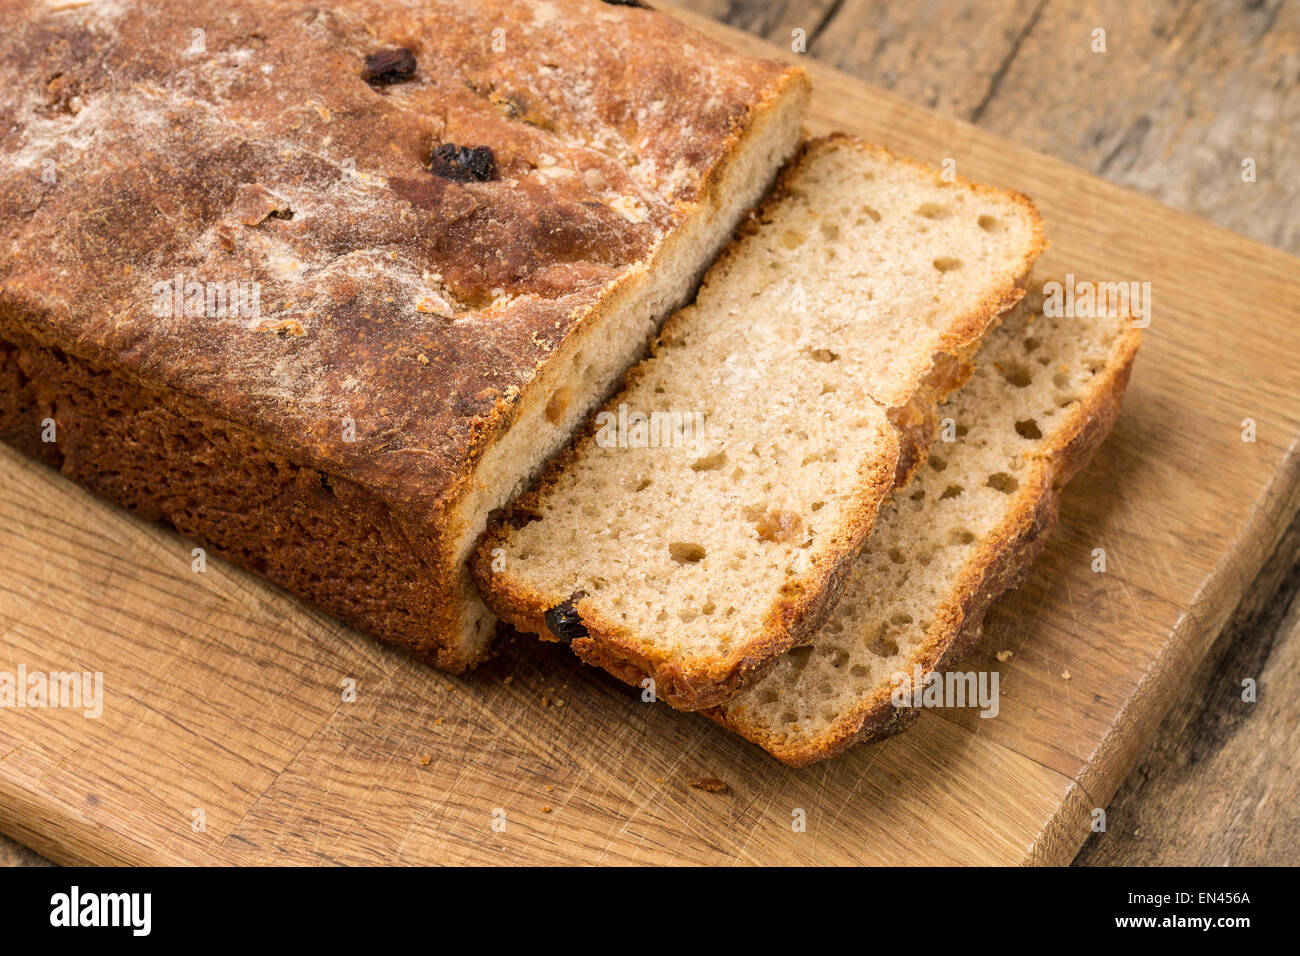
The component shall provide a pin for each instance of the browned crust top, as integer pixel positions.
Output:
(236, 141)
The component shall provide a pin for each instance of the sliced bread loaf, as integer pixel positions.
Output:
(706, 520)
(1045, 393)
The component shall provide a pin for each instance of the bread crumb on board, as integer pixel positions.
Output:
(1065, 675)
(546, 809)
(709, 784)
(1003, 656)
(425, 760)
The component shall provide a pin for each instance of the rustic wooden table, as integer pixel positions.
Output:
(1218, 784)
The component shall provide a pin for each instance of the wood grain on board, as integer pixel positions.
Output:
(1219, 783)
(224, 694)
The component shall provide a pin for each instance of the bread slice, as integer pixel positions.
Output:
(801, 379)
(450, 229)
(1044, 395)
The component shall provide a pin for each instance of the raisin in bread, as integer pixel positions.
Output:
(323, 283)
(783, 405)
(1045, 394)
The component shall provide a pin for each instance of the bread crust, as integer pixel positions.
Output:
(701, 683)
(1000, 565)
(425, 310)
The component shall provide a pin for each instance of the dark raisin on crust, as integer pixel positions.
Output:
(563, 621)
(463, 163)
(388, 66)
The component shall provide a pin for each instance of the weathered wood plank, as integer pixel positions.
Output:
(1220, 782)
(1183, 93)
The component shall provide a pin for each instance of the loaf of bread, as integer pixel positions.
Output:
(1045, 393)
(321, 284)
(779, 410)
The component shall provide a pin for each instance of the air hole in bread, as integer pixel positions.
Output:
(1031, 343)
(558, 404)
(937, 463)
(868, 213)
(1003, 482)
(857, 670)
(792, 239)
(952, 491)
(642, 485)
(711, 462)
(896, 555)
(817, 506)
(1016, 375)
(1061, 380)
(686, 552)
(823, 355)
(1029, 429)
(798, 656)
(901, 620)
(918, 495)
(883, 645)
(962, 431)
(933, 210)
(947, 263)
(830, 231)
(991, 223)
(960, 536)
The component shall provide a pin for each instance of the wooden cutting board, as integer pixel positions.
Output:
(224, 695)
